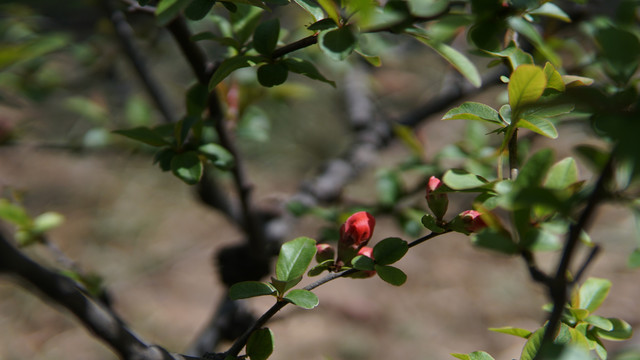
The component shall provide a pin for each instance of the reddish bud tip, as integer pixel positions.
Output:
(433, 184)
(439, 202)
(472, 220)
(368, 252)
(324, 252)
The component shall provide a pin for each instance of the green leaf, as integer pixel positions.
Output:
(303, 298)
(270, 75)
(248, 289)
(513, 331)
(532, 345)
(324, 24)
(196, 99)
(593, 292)
(47, 221)
(453, 56)
(599, 322)
(473, 111)
(621, 331)
(539, 125)
(551, 10)
(620, 50)
(331, 8)
(458, 179)
(338, 43)
(431, 223)
(198, 9)
(307, 69)
(219, 156)
(312, 8)
(554, 79)
(187, 167)
(535, 169)
(182, 128)
(260, 344)
(143, 134)
(476, 355)
(526, 85)
(389, 250)
(320, 268)
(390, 274)
(562, 174)
(294, 258)
(230, 65)
(493, 239)
(283, 286)
(529, 31)
(427, 8)
(167, 10)
(362, 262)
(265, 37)
(514, 55)
(14, 214)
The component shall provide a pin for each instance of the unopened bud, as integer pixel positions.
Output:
(324, 252)
(354, 234)
(438, 202)
(363, 274)
(472, 221)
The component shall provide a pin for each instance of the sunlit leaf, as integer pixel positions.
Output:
(248, 289)
(187, 166)
(294, 258)
(526, 85)
(513, 331)
(473, 111)
(303, 298)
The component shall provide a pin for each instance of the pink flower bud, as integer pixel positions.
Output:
(324, 252)
(357, 230)
(354, 234)
(368, 252)
(438, 202)
(472, 221)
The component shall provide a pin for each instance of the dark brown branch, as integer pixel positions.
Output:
(125, 35)
(295, 46)
(94, 315)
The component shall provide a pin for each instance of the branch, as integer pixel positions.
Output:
(95, 316)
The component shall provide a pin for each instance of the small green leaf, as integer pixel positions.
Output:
(198, 9)
(599, 322)
(167, 10)
(390, 274)
(458, 179)
(514, 55)
(248, 289)
(265, 36)
(260, 344)
(539, 125)
(551, 10)
(338, 43)
(230, 65)
(513, 331)
(593, 292)
(554, 79)
(14, 214)
(47, 221)
(270, 75)
(389, 250)
(362, 262)
(562, 174)
(324, 24)
(453, 56)
(532, 345)
(307, 69)
(431, 223)
(526, 85)
(476, 355)
(143, 134)
(219, 156)
(303, 298)
(312, 8)
(621, 331)
(473, 111)
(493, 239)
(187, 167)
(294, 258)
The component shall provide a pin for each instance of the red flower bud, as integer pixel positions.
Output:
(368, 252)
(354, 234)
(438, 202)
(472, 221)
(324, 252)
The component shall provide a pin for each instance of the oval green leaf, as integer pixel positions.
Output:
(389, 250)
(390, 274)
(188, 167)
(458, 179)
(265, 36)
(294, 258)
(303, 298)
(307, 69)
(260, 344)
(219, 156)
(248, 289)
(270, 75)
(539, 125)
(230, 65)
(562, 174)
(523, 333)
(337, 43)
(621, 330)
(526, 85)
(473, 111)
(198, 9)
(362, 262)
(593, 292)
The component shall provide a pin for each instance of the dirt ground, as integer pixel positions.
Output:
(152, 242)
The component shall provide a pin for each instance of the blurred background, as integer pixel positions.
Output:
(65, 85)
